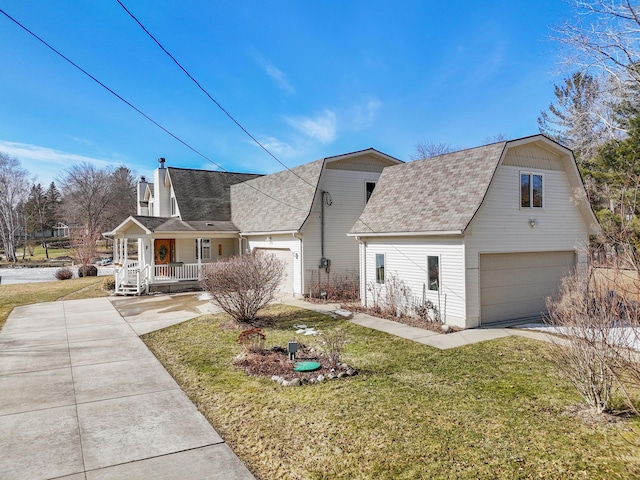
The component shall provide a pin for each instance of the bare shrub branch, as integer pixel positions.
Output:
(244, 284)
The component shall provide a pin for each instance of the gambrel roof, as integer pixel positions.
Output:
(441, 195)
(204, 194)
(282, 201)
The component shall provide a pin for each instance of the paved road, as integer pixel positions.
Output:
(81, 397)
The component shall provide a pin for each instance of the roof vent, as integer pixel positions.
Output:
(161, 161)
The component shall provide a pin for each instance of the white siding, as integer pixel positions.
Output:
(285, 242)
(407, 258)
(346, 191)
(501, 226)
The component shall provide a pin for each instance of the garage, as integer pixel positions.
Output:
(515, 285)
(286, 286)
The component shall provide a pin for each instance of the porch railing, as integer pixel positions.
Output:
(131, 278)
(186, 271)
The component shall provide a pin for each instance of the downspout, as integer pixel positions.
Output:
(301, 260)
(363, 279)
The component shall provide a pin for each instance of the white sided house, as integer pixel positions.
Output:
(303, 215)
(484, 234)
(187, 218)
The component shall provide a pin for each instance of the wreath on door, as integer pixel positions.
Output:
(162, 252)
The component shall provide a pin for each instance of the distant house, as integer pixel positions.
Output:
(187, 218)
(485, 234)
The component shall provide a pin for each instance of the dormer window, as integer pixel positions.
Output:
(531, 191)
(368, 190)
(174, 209)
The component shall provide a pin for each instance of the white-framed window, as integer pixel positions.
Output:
(368, 190)
(204, 253)
(380, 268)
(433, 273)
(531, 190)
(151, 208)
(174, 208)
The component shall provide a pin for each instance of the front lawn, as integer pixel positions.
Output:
(490, 410)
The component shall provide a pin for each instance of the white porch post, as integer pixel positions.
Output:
(126, 250)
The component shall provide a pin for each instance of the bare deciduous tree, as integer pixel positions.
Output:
(244, 284)
(14, 188)
(603, 35)
(95, 198)
(431, 149)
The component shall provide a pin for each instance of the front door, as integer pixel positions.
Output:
(164, 251)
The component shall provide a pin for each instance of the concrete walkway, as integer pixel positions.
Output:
(81, 397)
(421, 335)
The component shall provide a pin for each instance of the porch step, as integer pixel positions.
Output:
(127, 290)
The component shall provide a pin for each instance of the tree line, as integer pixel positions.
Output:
(86, 198)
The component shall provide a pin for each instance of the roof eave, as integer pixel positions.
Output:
(431, 233)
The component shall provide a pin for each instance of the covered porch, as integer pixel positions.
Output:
(171, 253)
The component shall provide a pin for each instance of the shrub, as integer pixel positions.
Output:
(585, 315)
(64, 273)
(393, 298)
(109, 284)
(333, 343)
(243, 285)
(88, 271)
(252, 340)
(342, 286)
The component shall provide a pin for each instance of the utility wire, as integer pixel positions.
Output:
(315, 187)
(226, 112)
(138, 110)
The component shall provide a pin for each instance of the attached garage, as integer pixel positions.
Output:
(515, 285)
(286, 256)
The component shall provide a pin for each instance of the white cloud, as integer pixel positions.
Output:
(277, 147)
(277, 75)
(44, 162)
(322, 127)
(364, 114)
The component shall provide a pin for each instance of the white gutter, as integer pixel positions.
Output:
(283, 232)
(445, 233)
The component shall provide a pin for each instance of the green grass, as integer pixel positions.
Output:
(12, 296)
(490, 410)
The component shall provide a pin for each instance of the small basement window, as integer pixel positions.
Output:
(531, 192)
(380, 268)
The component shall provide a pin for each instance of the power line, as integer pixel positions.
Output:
(315, 187)
(226, 112)
(57, 52)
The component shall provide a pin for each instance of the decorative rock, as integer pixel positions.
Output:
(294, 383)
(445, 328)
(342, 374)
(321, 378)
(351, 372)
(284, 383)
(276, 378)
(331, 376)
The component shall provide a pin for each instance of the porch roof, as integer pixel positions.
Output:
(145, 225)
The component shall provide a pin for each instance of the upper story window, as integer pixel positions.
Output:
(368, 190)
(380, 268)
(151, 208)
(531, 191)
(174, 209)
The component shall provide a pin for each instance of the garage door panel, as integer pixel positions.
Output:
(286, 286)
(515, 285)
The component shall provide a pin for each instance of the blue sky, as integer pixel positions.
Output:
(307, 79)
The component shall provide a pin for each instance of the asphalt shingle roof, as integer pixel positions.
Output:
(174, 224)
(277, 202)
(204, 194)
(438, 194)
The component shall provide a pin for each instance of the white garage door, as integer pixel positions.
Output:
(286, 286)
(515, 285)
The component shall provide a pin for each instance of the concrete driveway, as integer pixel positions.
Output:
(81, 397)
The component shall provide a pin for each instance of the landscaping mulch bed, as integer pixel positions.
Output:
(275, 362)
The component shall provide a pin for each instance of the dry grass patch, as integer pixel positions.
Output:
(12, 296)
(490, 410)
